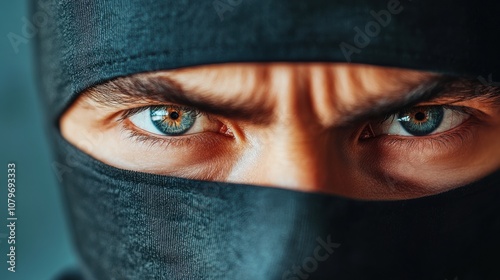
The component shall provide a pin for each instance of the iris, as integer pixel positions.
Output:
(172, 120)
(422, 120)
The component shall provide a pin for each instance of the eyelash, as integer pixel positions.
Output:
(443, 140)
(440, 141)
(461, 109)
(448, 139)
(130, 112)
(150, 140)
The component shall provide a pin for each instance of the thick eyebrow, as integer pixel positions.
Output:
(142, 90)
(139, 90)
(441, 88)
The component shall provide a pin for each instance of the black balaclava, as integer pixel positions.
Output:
(132, 225)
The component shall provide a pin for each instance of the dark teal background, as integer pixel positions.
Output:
(42, 241)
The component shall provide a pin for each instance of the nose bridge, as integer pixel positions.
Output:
(298, 162)
(298, 151)
(291, 157)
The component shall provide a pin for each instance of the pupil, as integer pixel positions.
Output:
(172, 120)
(420, 116)
(422, 120)
(174, 115)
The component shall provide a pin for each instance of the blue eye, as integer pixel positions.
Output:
(420, 121)
(172, 120)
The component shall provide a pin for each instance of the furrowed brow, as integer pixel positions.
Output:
(140, 90)
(143, 90)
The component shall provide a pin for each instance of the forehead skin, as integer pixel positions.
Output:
(305, 146)
(327, 90)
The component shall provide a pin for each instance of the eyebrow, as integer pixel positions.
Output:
(442, 88)
(131, 90)
(161, 90)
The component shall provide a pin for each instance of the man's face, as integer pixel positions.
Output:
(354, 130)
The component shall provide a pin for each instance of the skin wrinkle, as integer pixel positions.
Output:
(294, 118)
(300, 129)
(377, 101)
(253, 88)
